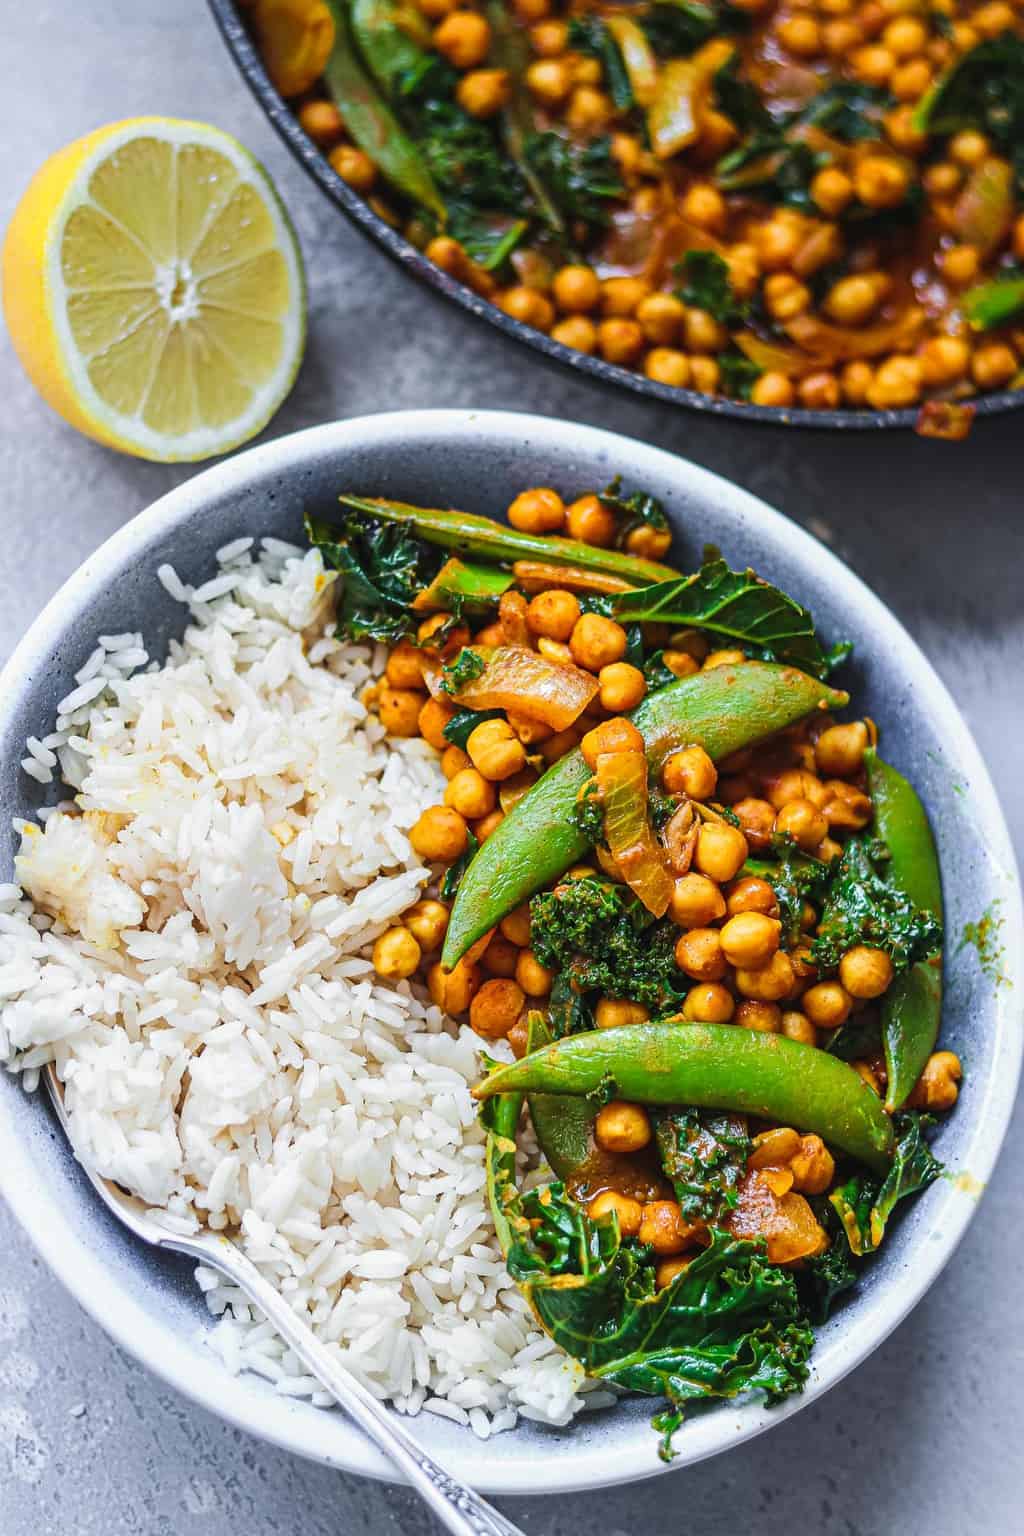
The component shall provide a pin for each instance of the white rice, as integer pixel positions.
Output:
(191, 950)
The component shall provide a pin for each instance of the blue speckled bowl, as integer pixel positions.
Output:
(479, 461)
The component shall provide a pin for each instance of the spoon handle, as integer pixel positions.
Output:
(455, 1505)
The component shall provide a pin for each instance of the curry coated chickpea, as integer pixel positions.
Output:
(496, 1007)
(577, 332)
(813, 1166)
(463, 38)
(453, 990)
(620, 341)
(777, 243)
(944, 360)
(440, 835)
(617, 1012)
(622, 295)
(709, 1003)
(590, 521)
(721, 851)
(496, 752)
(396, 954)
(832, 190)
(750, 939)
(757, 820)
(527, 305)
(855, 381)
(853, 299)
(797, 1026)
(785, 296)
(590, 110)
(705, 375)
(534, 978)
(772, 388)
(648, 542)
(960, 265)
(628, 1210)
(539, 510)
(841, 36)
(433, 716)
(470, 794)
(453, 760)
(549, 38)
(800, 35)
(993, 365)
(764, 1018)
(500, 958)
(702, 332)
(751, 894)
(484, 92)
(322, 121)
(427, 921)
(769, 983)
(553, 614)
(803, 822)
(873, 63)
(839, 750)
(680, 663)
(936, 1088)
(696, 901)
(865, 972)
(666, 1270)
(354, 166)
(666, 365)
(897, 383)
(704, 206)
(819, 391)
(662, 1227)
(515, 925)
(596, 642)
(690, 771)
(617, 735)
(794, 784)
(661, 316)
(827, 1004)
(576, 289)
(699, 954)
(404, 667)
(622, 1127)
(622, 686)
(399, 710)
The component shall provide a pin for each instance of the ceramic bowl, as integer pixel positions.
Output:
(478, 461)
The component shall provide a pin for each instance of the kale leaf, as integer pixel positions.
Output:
(587, 813)
(634, 510)
(705, 1155)
(568, 1011)
(862, 908)
(738, 374)
(383, 569)
(795, 878)
(706, 286)
(582, 181)
(830, 1274)
(465, 721)
(466, 667)
(997, 301)
(454, 873)
(605, 941)
(864, 1203)
(677, 28)
(984, 89)
(740, 100)
(589, 35)
(656, 674)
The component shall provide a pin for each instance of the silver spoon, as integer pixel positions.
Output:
(458, 1508)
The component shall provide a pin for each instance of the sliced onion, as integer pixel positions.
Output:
(518, 679)
(639, 857)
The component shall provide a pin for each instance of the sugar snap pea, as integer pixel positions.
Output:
(912, 1007)
(561, 1125)
(712, 1066)
(724, 709)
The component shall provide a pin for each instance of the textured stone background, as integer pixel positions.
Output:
(925, 1437)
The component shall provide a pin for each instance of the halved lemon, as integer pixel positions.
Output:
(154, 290)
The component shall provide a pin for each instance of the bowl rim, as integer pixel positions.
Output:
(560, 1468)
(316, 165)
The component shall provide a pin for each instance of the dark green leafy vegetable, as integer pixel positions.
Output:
(996, 302)
(985, 90)
(569, 1013)
(859, 1037)
(677, 28)
(775, 167)
(740, 100)
(795, 878)
(706, 286)
(588, 812)
(467, 666)
(862, 908)
(605, 941)
(864, 1203)
(848, 110)
(634, 510)
(827, 1276)
(582, 180)
(738, 374)
(383, 569)
(589, 35)
(705, 1156)
(656, 674)
(454, 873)
(465, 721)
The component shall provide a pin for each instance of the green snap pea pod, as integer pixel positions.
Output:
(912, 1007)
(561, 1125)
(371, 122)
(724, 709)
(481, 538)
(460, 582)
(713, 1066)
(393, 36)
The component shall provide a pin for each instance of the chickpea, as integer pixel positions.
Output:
(484, 93)
(529, 306)
(667, 1270)
(905, 36)
(534, 978)
(496, 1007)
(794, 784)
(936, 1088)
(453, 760)
(431, 721)
(405, 666)
(470, 794)
(960, 265)
(622, 687)
(908, 83)
(540, 510)
(648, 542)
(617, 1012)
(841, 37)
(696, 901)
(969, 147)
(629, 1212)
(453, 990)
(873, 64)
(666, 365)
(322, 121)
(820, 391)
(785, 296)
(900, 127)
(500, 958)
(865, 972)
(549, 38)
(896, 384)
(661, 317)
(839, 750)
(757, 820)
(777, 241)
(773, 388)
(751, 894)
(847, 807)
(721, 852)
(463, 38)
(770, 983)
(440, 835)
(944, 360)
(750, 939)
(435, 10)
(620, 341)
(590, 521)
(744, 269)
(942, 179)
(354, 167)
(993, 365)
(530, 11)
(553, 614)
(705, 375)
(964, 37)
(709, 1003)
(702, 332)
(803, 822)
(515, 926)
(622, 1127)
(621, 296)
(852, 300)
(596, 642)
(799, 35)
(396, 954)
(699, 954)
(427, 921)
(617, 735)
(690, 771)
(763, 1017)
(774, 1148)
(590, 110)
(827, 1004)
(576, 289)
(813, 1166)
(576, 332)
(704, 206)
(797, 1026)
(829, 849)
(399, 710)
(663, 1227)
(628, 154)
(680, 663)
(855, 382)
(558, 745)
(496, 752)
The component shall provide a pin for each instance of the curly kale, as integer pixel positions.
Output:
(865, 1203)
(606, 942)
(467, 666)
(861, 908)
(634, 510)
(587, 813)
(705, 1156)
(383, 568)
(706, 285)
(581, 180)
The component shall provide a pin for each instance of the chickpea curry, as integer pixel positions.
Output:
(681, 895)
(812, 203)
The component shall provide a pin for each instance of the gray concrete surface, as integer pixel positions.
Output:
(925, 1437)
